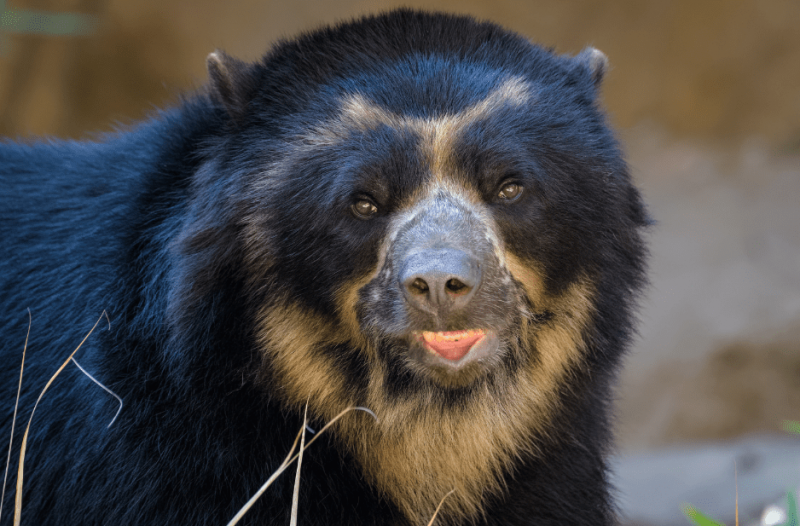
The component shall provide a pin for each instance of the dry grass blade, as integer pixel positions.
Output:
(285, 464)
(21, 469)
(14, 418)
(296, 494)
(736, 484)
(109, 391)
(439, 507)
(333, 421)
(289, 459)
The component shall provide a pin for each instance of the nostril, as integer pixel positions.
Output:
(418, 286)
(439, 280)
(456, 287)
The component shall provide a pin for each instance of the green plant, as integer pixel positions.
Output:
(791, 426)
(697, 517)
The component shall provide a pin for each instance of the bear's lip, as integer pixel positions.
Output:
(451, 345)
(455, 349)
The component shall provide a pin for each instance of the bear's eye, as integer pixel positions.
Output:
(364, 209)
(510, 192)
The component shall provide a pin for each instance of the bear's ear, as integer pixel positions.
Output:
(230, 82)
(595, 61)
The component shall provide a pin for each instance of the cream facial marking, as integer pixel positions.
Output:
(438, 133)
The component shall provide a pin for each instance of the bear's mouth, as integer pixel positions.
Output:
(455, 349)
(451, 345)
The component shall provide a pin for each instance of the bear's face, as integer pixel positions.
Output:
(432, 245)
(439, 304)
(431, 226)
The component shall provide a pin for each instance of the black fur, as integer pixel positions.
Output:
(151, 225)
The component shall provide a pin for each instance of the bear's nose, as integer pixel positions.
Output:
(437, 280)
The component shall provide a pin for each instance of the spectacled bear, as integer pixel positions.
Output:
(421, 214)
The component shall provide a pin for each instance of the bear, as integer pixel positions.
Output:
(421, 214)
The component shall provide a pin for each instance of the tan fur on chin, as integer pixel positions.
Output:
(417, 452)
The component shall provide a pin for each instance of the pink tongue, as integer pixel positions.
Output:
(454, 350)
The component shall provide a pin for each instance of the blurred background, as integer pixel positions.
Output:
(705, 96)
